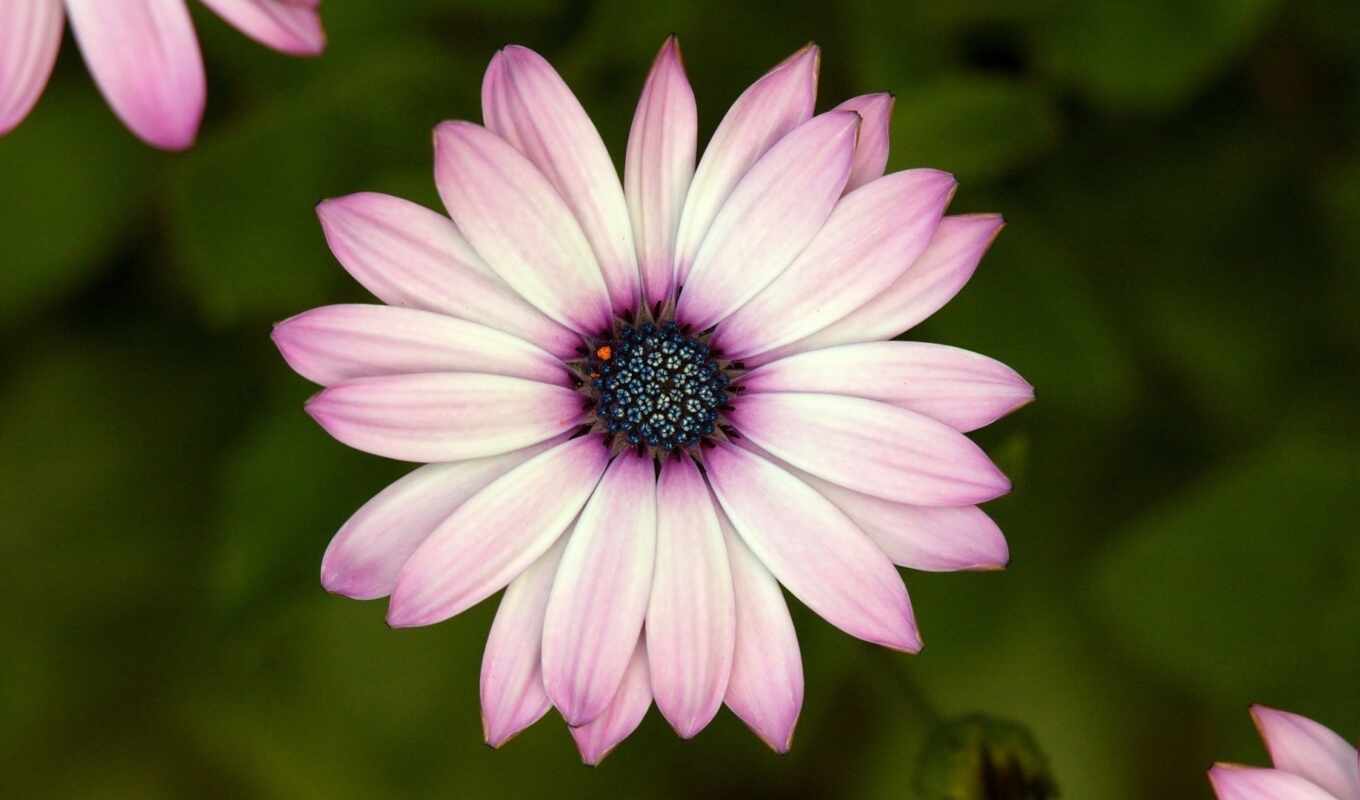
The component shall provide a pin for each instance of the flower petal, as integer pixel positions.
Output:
(597, 738)
(365, 555)
(942, 539)
(660, 166)
(512, 676)
(766, 686)
(332, 344)
(444, 416)
(959, 388)
(497, 533)
(872, 237)
(408, 255)
(814, 550)
(771, 215)
(1232, 782)
(871, 447)
(144, 56)
(780, 101)
(1310, 750)
(30, 35)
(923, 289)
(517, 222)
(528, 104)
(285, 25)
(871, 151)
(599, 598)
(690, 619)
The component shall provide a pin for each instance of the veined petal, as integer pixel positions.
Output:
(1232, 782)
(444, 416)
(30, 35)
(765, 689)
(512, 676)
(497, 533)
(659, 167)
(368, 551)
(288, 26)
(517, 222)
(871, 151)
(871, 447)
(408, 255)
(333, 344)
(940, 272)
(814, 550)
(144, 56)
(942, 539)
(528, 104)
(597, 738)
(690, 620)
(1310, 750)
(872, 236)
(959, 388)
(599, 599)
(780, 101)
(771, 215)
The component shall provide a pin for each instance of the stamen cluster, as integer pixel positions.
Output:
(656, 386)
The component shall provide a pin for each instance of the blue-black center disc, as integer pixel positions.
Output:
(657, 387)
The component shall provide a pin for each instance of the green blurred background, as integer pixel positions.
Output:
(1179, 281)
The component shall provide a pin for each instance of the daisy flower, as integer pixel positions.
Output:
(1311, 763)
(646, 405)
(143, 55)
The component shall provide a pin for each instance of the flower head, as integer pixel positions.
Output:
(1311, 763)
(646, 405)
(143, 54)
(980, 758)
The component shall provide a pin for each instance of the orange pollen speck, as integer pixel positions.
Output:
(604, 352)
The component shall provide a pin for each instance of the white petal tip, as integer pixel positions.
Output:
(686, 726)
(592, 749)
(992, 485)
(909, 642)
(495, 739)
(399, 616)
(316, 407)
(351, 586)
(781, 742)
(171, 142)
(591, 757)
(812, 51)
(1222, 778)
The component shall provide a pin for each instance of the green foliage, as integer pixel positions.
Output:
(1264, 544)
(975, 126)
(1137, 56)
(75, 186)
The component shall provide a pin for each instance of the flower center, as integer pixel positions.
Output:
(656, 386)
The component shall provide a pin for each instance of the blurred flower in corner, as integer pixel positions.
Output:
(143, 54)
(1311, 762)
(649, 403)
(980, 758)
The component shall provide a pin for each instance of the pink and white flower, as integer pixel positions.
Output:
(646, 405)
(1311, 762)
(143, 55)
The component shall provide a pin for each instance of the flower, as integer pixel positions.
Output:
(981, 758)
(1311, 763)
(143, 54)
(648, 405)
